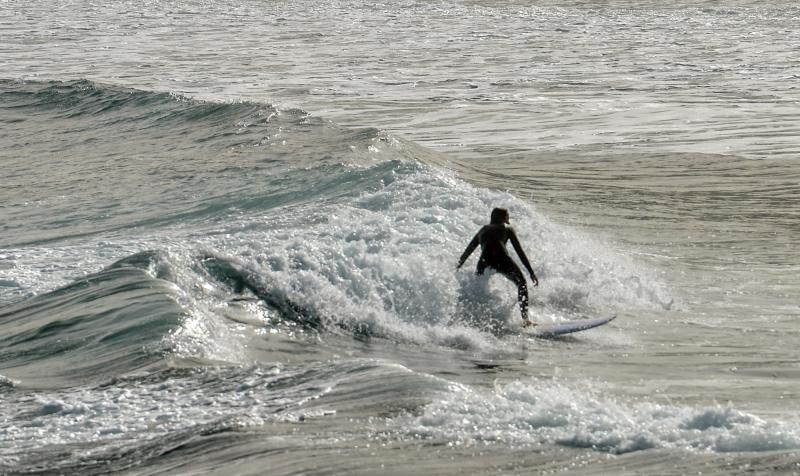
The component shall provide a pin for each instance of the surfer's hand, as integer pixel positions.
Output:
(534, 279)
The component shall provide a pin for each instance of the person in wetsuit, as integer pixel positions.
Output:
(493, 238)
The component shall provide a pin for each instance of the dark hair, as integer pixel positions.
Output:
(499, 215)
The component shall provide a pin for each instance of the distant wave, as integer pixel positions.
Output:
(118, 106)
(94, 159)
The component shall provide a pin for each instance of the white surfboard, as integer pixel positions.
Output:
(567, 327)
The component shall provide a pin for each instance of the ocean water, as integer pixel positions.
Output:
(229, 230)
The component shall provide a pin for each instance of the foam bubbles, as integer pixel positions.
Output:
(384, 262)
(540, 412)
(143, 408)
(6, 382)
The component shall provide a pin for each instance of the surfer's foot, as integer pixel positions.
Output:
(528, 323)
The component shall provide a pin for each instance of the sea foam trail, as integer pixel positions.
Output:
(128, 420)
(542, 412)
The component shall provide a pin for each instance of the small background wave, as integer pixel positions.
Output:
(82, 158)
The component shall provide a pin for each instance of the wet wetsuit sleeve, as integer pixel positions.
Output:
(518, 248)
(470, 248)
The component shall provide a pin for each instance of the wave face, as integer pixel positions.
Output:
(182, 278)
(104, 324)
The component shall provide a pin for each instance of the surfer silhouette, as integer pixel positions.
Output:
(493, 238)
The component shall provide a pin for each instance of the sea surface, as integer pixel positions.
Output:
(229, 231)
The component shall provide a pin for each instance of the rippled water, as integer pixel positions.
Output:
(648, 154)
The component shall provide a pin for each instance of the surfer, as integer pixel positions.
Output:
(493, 238)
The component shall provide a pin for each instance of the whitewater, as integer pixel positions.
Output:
(229, 234)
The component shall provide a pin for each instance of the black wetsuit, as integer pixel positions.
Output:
(493, 238)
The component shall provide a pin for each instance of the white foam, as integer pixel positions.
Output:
(546, 412)
(386, 262)
(115, 415)
(7, 382)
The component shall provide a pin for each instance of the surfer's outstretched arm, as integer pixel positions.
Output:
(470, 248)
(518, 248)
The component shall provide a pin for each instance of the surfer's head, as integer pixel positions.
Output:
(499, 215)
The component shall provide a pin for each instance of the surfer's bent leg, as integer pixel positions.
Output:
(511, 271)
(482, 264)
